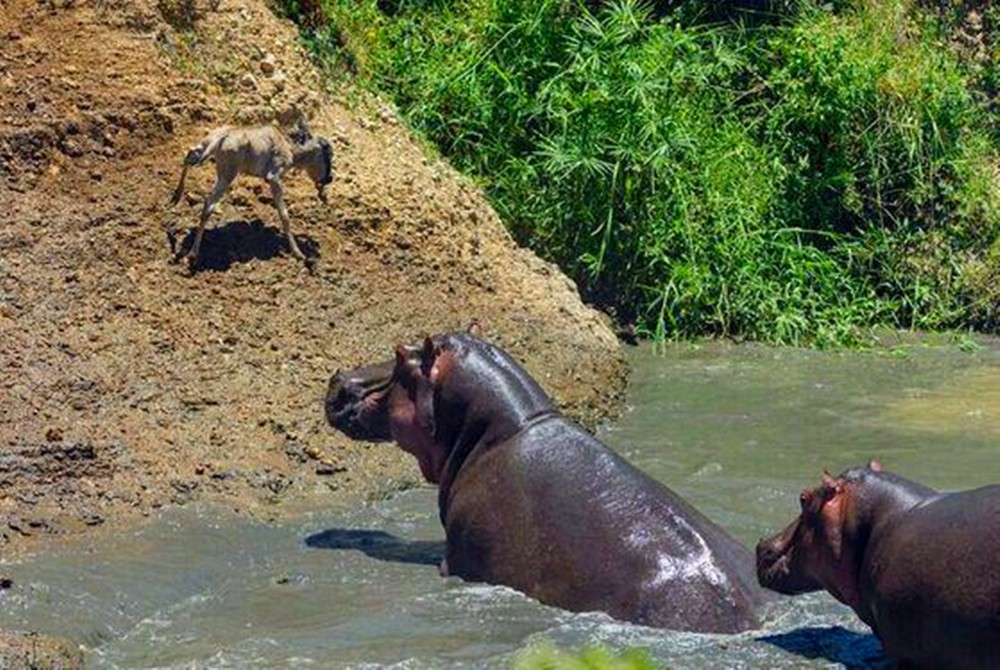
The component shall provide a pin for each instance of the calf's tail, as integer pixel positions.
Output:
(196, 156)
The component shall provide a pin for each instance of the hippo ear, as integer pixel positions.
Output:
(405, 354)
(830, 485)
(402, 354)
(475, 329)
(874, 466)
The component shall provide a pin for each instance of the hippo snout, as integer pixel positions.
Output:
(782, 564)
(767, 552)
(339, 399)
(770, 562)
(345, 401)
(357, 402)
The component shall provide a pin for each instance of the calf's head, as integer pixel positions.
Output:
(820, 549)
(314, 155)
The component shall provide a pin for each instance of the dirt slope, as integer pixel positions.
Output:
(125, 382)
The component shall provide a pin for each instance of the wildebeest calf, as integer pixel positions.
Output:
(264, 152)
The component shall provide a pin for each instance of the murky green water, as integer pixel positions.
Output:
(738, 430)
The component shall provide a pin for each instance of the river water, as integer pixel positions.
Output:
(738, 430)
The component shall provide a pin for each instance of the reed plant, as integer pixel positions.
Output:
(787, 171)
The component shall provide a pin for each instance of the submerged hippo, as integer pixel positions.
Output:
(532, 501)
(921, 568)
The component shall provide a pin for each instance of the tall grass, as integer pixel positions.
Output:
(794, 174)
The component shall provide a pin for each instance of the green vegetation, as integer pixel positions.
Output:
(550, 658)
(791, 175)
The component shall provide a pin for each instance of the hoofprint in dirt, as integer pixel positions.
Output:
(130, 383)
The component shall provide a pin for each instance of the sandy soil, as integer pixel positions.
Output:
(129, 383)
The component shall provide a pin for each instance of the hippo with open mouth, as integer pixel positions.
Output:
(921, 568)
(530, 500)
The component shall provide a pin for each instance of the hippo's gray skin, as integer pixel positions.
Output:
(532, 501)
(921, 568)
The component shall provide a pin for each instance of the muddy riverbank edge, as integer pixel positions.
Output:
(131, 384)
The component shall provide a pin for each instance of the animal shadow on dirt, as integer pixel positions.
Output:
(238, 242)
(855, 651)
(379, 545)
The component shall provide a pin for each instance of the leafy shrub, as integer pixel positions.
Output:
(794, 179)
(549, 658)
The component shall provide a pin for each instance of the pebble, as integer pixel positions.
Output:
(330, 468)
(267, 65)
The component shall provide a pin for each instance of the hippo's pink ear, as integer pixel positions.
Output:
(874, 466)
(475, 329)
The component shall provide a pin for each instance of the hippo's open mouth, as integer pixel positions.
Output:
(357, 402)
